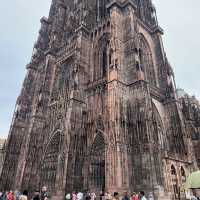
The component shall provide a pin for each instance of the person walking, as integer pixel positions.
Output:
(74, 196)
(101, 196)
(44, 194)
(17, 195)
(79, 196)
(24, 195)
(151, 196)
(142, 195)
(68, 196)
(108, 196)
(1, 195)
(135, 196)
(115, 196)
(11, 195)
(126, 197)
(4, 196)
(36, 195)
(93, 196)
(87, 196)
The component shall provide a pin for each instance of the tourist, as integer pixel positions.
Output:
(80, 196)
(24, 195)
(142, 195)
(44, 194)
(4, 196)
(11, 196)
(17, 194)
(1, 195)
(151, 197)
(87, 196)
(126, 197)
(74, 196)
(68, 196)
(135, 196)
(102, 196)
(108, 196)
(36, 195)
(93, 196)
(115, 196)
(195, 194)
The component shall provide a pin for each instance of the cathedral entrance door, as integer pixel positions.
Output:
(97, 165)
(98, 176)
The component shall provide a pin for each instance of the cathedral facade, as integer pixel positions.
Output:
(98, 109)
(2, 152)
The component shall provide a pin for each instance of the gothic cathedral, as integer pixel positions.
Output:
(98, 109)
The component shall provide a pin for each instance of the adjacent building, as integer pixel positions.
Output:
(190, 106)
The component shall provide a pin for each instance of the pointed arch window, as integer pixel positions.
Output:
(183, 175)
(111, 58)
(104, 61)
(146, 61)
(97, 165)
(173, 170)
(50, 161)
(102, 58)
(175, 186)
(101, 9)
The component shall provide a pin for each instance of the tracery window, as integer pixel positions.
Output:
(158, 132)
(146, 61)
(50, 162)
(102, 58)
(97, 165)
(177, 144)
(79, 146)
(101, 9)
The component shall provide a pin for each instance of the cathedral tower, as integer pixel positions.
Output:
(98, 108)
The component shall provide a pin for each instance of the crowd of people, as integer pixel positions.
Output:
(16, 195)
(105, 196)
(43, 195)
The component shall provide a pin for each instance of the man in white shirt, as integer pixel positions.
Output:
(80, 196)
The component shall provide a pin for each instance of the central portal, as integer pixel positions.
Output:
(97, 165)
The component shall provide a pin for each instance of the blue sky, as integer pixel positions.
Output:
(20, 22)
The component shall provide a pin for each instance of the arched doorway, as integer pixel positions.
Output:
(51, 162)
(175, 186)
(97, 164)
(183, 181)
(183, 175)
